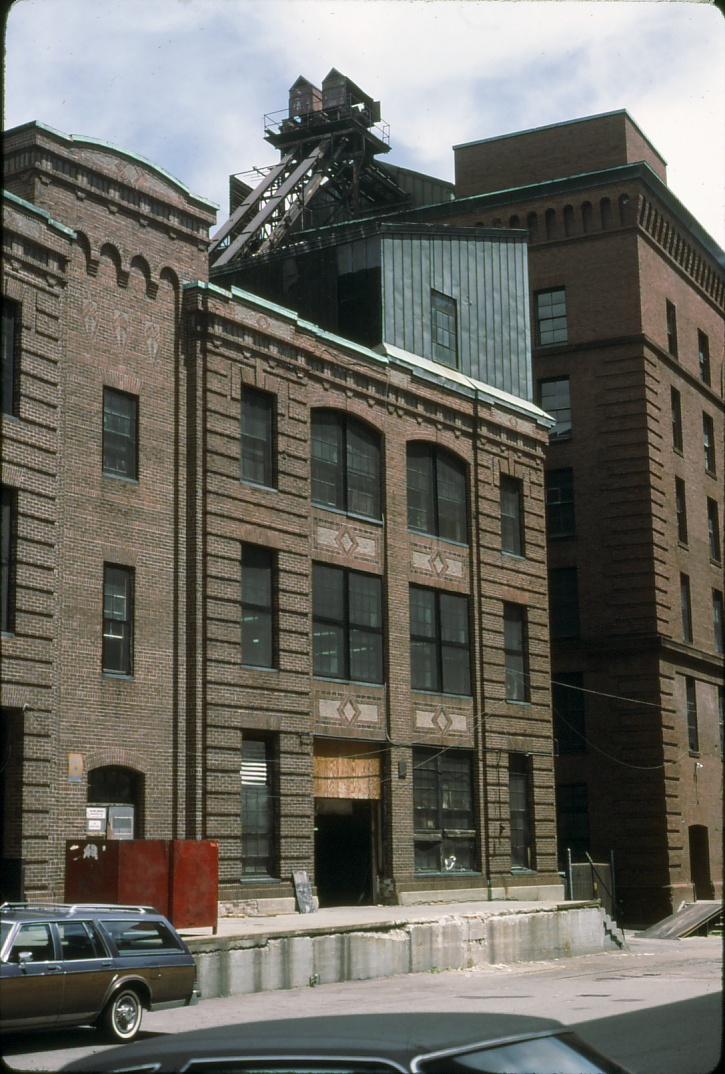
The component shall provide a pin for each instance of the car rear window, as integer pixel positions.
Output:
(138, 937)
(545, 1055)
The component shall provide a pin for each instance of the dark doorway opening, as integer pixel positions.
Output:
(115, 785)
(700, 862)
(11, 805)
(344, 861)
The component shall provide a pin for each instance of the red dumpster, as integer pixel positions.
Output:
(194, 883)
(134, 871)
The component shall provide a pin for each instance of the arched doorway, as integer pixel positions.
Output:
(116, 785)
(700, 862)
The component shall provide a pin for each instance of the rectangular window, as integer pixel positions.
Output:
(560, 520)
(8, 544)
(258, 606)
(676, 420)
(10, 357)
(708, 440)
(713, 529)
(567, 699)
(516, 657)
(555, 399)
(443, 819)
(440, 658)
(693, 734)
(681, 510)
(347, 629)
(258, 437)
(564, 603)
(259, 815)
(703, 351)
(717, 619)
(686, 604)
(512, 516)
(671, 329)
(551, 317)
(120, 434)
(572, 815)
(521, 812)
(444, 328)
(118, 619)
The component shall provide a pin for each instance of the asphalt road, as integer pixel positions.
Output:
(656, 1008)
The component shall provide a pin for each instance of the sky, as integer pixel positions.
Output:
(186, 83)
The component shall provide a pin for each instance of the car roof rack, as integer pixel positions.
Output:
(70, 908)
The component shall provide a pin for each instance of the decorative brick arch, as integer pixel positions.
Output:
(101, 758)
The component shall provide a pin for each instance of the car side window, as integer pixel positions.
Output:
(78, 940)
(36, 941)
(141, 937)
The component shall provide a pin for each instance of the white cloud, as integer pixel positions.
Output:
(186, 82)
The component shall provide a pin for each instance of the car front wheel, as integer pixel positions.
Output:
(121, 1020)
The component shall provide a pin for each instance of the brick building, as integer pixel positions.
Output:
(264, 583)
(627, 295)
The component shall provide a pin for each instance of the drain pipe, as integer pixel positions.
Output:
(480, 729)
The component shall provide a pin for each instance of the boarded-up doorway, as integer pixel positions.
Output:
(347, 795)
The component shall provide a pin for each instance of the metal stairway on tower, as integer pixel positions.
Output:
(328, 140)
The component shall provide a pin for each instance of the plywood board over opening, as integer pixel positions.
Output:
(345, 769)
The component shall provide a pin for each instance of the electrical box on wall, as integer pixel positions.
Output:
(110, 821)
(120, 822)
(96, 820)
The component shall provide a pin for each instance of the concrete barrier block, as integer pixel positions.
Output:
(476, 927)
(298, 965)
(376, 954)
(328, 956)
(422, 947)
(209, 975)
(451, 936)
(269, 966)
(241, 970)
(477, 954)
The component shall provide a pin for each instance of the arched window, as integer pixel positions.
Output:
(550, 223)
(346, 471)
(437, 496)
(605, 210)
(115, 785)
(586, 216)
(514, 221)
(568, 220)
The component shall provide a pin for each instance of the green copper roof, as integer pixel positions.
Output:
(50, 220)
(79, 139)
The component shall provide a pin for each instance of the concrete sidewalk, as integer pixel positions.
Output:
(354, 943)
(345, 918)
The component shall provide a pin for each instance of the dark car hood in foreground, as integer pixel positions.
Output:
(394, 1037)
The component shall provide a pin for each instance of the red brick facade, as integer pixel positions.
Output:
(622, 248)
(115, 298)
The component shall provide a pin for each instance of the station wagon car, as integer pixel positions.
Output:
(90, 964)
